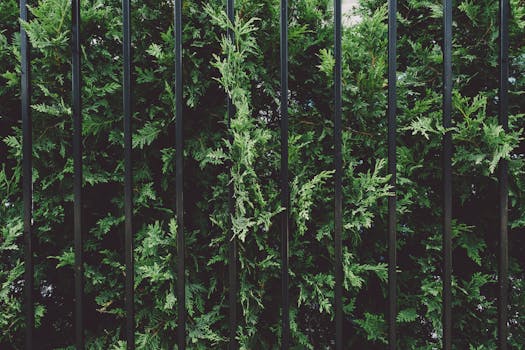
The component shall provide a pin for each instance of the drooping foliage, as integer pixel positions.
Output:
(245, 154)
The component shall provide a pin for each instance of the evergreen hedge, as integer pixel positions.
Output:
(248, 69)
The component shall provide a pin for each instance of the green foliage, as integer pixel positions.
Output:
(242, 154)
(374, 327)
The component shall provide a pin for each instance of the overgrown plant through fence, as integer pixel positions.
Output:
(233, 171)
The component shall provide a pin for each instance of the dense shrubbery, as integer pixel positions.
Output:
(248, 69)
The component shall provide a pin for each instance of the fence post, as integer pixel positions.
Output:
(338, 176)
(179, 185)
(27, 174)
(128, 175)
(232, 249)
(392, 110)
(285, 187)
(77, 174)
(503, 176)
(447, 174)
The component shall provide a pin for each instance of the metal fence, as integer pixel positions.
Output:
(285, 189)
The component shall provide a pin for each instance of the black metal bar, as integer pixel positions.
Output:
(27, 174)
(128, 176)
(232, 251)
(447, 174)
(392, 108)
(338, 176)
(179, 187)
(285, 188)
(503, 274)
(77, 175)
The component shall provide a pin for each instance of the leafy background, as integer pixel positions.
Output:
(248, 70)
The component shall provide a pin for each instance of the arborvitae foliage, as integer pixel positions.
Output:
(245, 153)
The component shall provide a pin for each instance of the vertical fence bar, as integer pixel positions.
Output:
(503, 176)
(27, 174)
(77, 175)
(179, 187)
(232, 267)
(338, 176)
(447, 174)
(128, 176)
(285, 188)
(392, 108)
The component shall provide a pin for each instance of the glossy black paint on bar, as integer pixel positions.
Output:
(179, 187)
(338, 176)
(392, 108)
(503, 274)
(77, 175)
(128, 176)
(27, 174)
(285, 187)
(447, 174)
